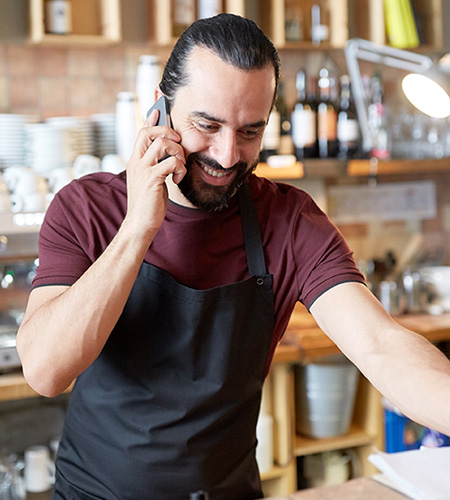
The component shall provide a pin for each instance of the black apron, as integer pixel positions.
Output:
(170, 406)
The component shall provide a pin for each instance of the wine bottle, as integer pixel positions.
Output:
(326, 117)
(347, 124)
(304, 118)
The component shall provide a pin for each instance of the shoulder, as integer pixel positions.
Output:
(90, 207)
(95, 192)
(99, 183)
(267, 191)
(284, 200)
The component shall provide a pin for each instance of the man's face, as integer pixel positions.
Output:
(220, 115)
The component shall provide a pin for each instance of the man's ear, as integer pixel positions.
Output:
(158, 93)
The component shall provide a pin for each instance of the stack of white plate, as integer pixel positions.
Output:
(49, 147)
(105, 133)
(82, 128)
(12, 138)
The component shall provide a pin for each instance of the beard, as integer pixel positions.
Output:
(207, 196)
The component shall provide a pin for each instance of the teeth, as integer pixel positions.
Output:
(214, 173)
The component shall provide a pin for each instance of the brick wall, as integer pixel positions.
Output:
(61, 81)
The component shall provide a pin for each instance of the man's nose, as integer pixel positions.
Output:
(225, 149)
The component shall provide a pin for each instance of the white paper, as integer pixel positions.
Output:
(420, 474)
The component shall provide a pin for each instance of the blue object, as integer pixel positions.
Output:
(403, 434)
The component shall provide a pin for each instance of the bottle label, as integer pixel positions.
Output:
(327, 124)
(348, 130)
(303, 128)
(271, 137)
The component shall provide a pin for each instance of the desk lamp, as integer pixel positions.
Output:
(426, 86)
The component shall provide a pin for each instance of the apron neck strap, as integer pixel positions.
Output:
(252, 236)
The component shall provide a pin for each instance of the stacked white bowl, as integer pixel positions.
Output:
(104, 125)
(12, 136)
(49, 147)
(82, 128)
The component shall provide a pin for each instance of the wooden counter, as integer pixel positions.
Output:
(307, 341)
(355, 489)
(304, 341)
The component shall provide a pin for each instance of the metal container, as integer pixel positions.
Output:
(325, 396)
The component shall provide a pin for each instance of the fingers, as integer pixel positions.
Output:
(148, 135)
(161, 148)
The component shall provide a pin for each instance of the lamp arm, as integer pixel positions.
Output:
(356, 49)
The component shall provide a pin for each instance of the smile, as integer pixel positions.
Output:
(213, 172)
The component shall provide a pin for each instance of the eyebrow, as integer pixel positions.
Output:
(211, 118)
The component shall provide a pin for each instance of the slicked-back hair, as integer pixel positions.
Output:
(235, 39)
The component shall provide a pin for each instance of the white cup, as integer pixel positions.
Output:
(86, 164)
(24, 180)
(33, 202)
(59, 177)
(39, 469)
(113, 163)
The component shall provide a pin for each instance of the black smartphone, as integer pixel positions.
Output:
(162, 105)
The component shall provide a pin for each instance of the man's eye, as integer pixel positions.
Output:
(250, 132)
(208, 127)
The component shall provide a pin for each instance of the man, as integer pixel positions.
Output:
(164, 291)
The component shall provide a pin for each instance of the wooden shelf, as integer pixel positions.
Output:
(13, 386)
(356, 436)
(376, 167)
(94, 22)
(274, 473)
(293, 172)
(334, 168)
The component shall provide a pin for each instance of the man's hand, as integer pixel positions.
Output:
(146, 174)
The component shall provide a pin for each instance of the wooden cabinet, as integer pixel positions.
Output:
(99, 21)
(93, 22)
(345, 19)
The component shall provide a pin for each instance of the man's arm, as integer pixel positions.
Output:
(407, 369)
(65, 328)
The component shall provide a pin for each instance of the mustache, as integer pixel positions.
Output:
(215, 165)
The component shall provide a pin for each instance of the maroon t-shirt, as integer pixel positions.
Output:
(304, 251)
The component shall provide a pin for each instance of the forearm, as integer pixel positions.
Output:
(417, 382)
(407, 369)
(61, 337)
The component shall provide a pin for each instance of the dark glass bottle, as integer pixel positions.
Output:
(326, 116)
(347, 124)
(303, 118)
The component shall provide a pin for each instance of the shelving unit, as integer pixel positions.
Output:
(94, 22)
(333, 168)
(375, 167)
(361, 18)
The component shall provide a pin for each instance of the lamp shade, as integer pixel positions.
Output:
(428, 92)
